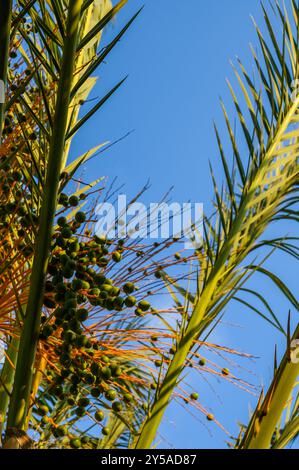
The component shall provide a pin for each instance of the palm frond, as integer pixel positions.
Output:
(254, 194)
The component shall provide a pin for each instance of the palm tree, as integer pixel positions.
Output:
(256, 193)
(72, 303)
(78, 349)
(53, 48)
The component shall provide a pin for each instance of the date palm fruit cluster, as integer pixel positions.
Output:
(76, 276)
(76, 283)
(92, 385)
(16, 207)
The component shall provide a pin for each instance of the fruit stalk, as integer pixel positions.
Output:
(30, 334)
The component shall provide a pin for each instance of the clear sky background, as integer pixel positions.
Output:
(177, 57)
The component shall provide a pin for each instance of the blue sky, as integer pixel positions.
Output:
(177, 57)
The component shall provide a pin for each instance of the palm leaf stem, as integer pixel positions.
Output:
(7, 378)
(266, 418)
(223, 267)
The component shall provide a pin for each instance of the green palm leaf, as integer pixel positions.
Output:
(259, 194)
